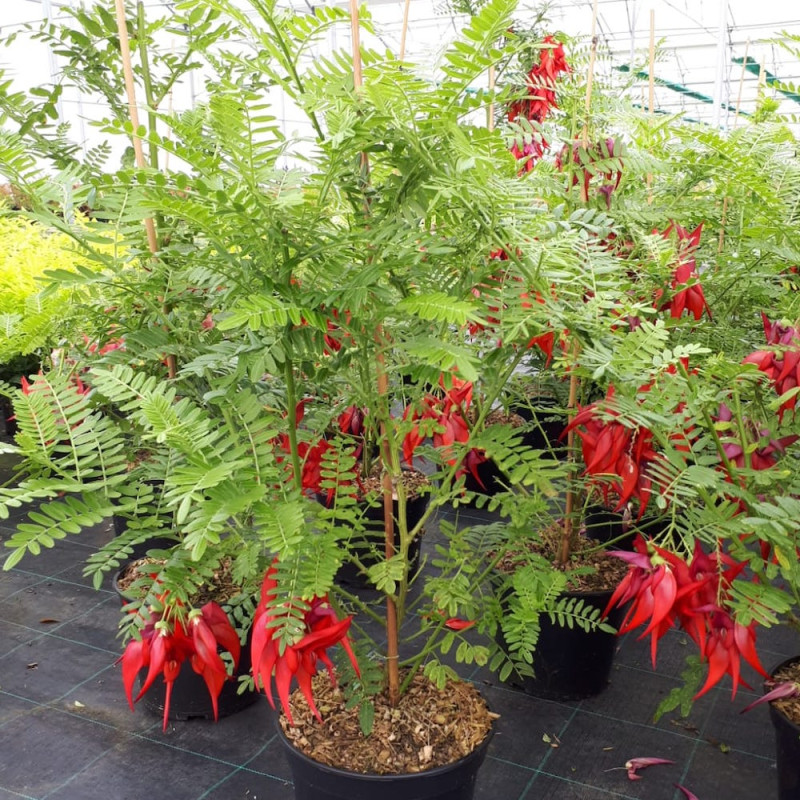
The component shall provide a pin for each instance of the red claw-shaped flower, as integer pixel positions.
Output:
(164, 647)
(300, 658)
(135, 658)
(691, 299)
(635, 764)
(781, 691)
(619, 457)
(689, 795)
(781, 365)
(664, 591)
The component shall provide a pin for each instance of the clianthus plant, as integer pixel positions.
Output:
(287, 324)
(373, 302)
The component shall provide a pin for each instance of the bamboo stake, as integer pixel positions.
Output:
(741, 83)
(569, 503)
(590, 75)
(652, 60)
(392, 653)
(651, 94)
(726, 201)
(490, 109)
(355, 30)
(133, 113)
(404, 30)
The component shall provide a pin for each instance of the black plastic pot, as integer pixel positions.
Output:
(190, 698)
(604, 525)
(490, 480)
(315, 781)
(570, 663)
(8, 425)
(787, 747)
(548, 423)
(371, 546)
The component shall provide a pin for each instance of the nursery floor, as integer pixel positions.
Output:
(66, 732)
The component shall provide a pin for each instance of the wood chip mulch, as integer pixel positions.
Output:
(428, 728)
(220, 588)
(414, 482)
(790, 706)
(500, 417)
(607, 571)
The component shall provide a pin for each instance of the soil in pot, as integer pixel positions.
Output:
(571, 663)
(190, 698)
(429, 747)
(785, 717)
(371, 545)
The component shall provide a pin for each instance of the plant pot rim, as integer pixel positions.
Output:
(375, 777)
(773, 709)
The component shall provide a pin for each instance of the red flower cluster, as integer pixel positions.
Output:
(781, 365)
(311, 453)
(664, 590)
(544, 341)
(165, 645)
(541, 83)
(112, 344)
(335, 337)
(760, 458)
(616, 454)
(321, 630)
(38, 386)
(449, 412)
(541, 98)
(584, 160)
(692, 298)
(531, 151)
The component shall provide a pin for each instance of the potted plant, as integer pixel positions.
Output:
(259, 288)
(338, 271)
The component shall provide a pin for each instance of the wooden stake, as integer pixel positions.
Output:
(404, 30)
(133, 112)
(392, 650)
(590, 75)
(651, 95)
(652, 62)
(490, 109)
(358, 80)
(741, 83)
(569, 504)
(726, 201)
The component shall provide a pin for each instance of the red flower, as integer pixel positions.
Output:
(112, 344)
(584, 169)
(335, 337)
(760, 458)
(540, 83)
(664, 591)
(531, 151)
(781, 365)
(617, 455)
(164, 647)
(300, 659)
(692, 298)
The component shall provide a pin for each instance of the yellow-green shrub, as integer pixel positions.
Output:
(31, 321)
